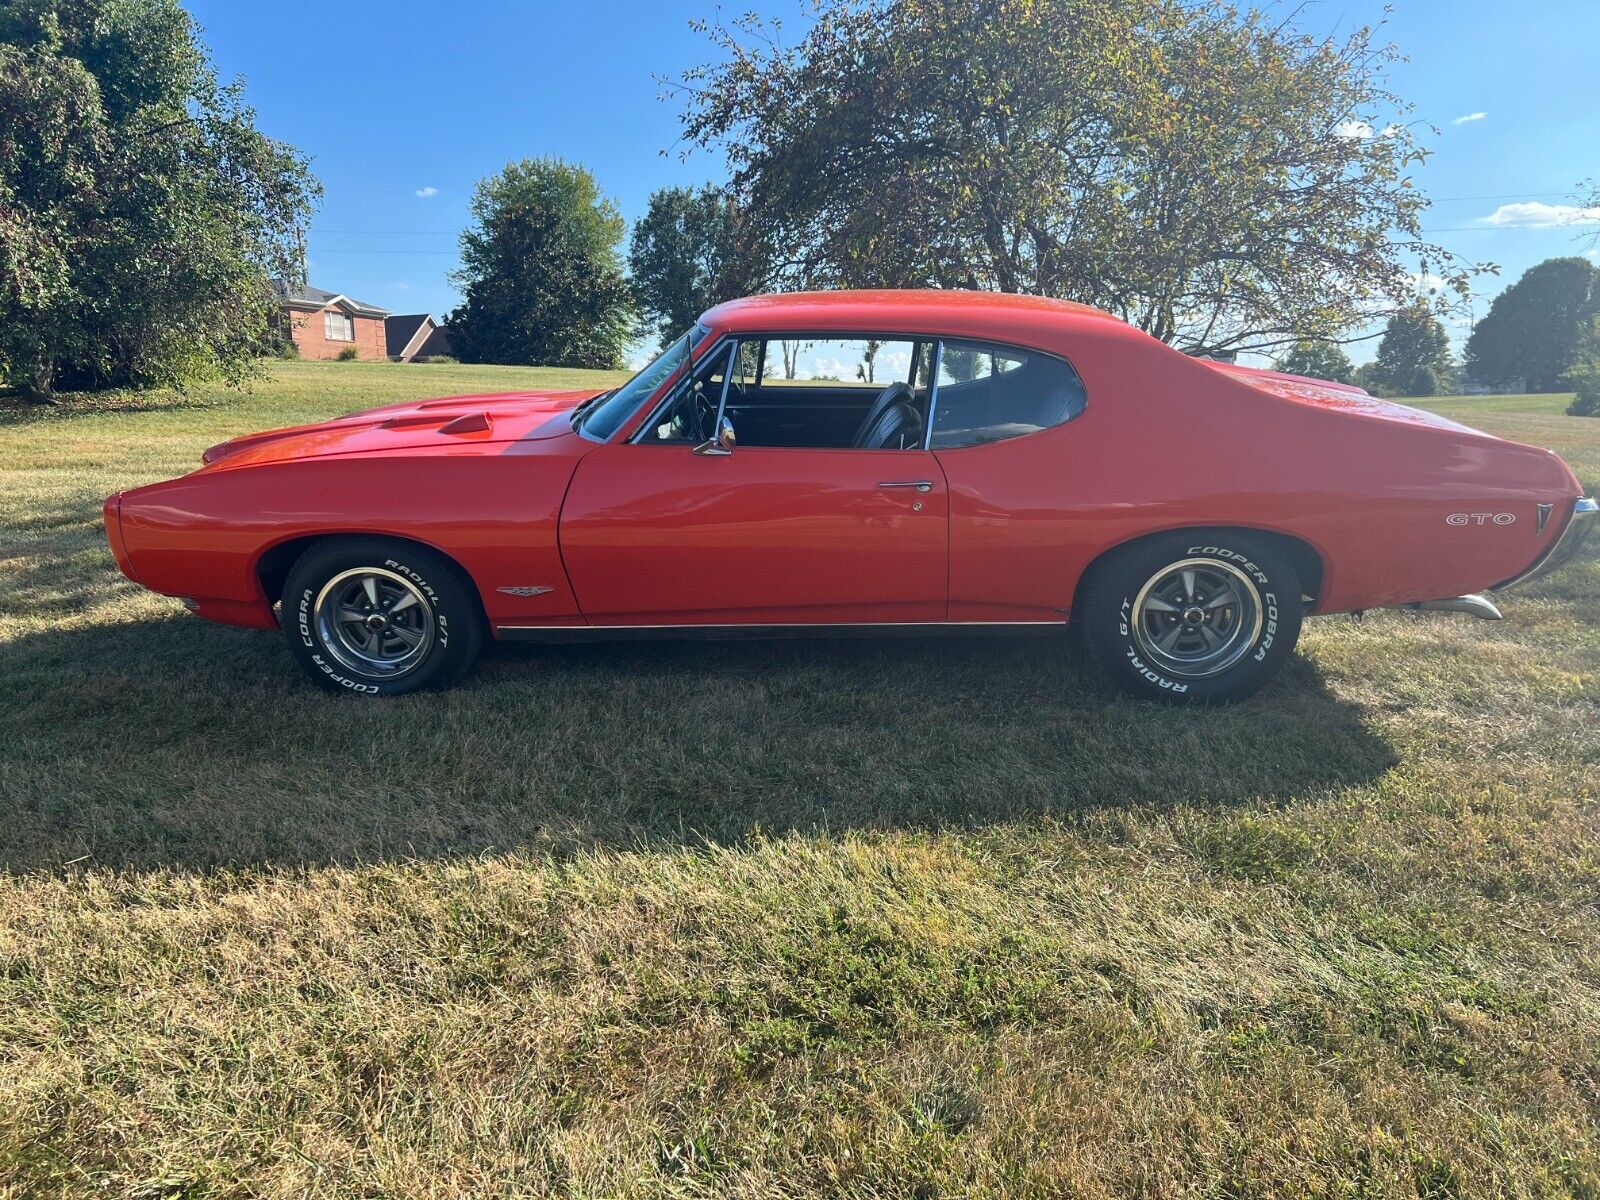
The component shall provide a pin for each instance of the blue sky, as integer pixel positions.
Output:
(404, 106)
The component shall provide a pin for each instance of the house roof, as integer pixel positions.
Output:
(398, 331)
(310, 297)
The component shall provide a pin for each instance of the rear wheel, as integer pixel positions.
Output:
(1191, 617)
(379, 617)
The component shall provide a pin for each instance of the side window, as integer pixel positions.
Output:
(990, 393)
(864, 363)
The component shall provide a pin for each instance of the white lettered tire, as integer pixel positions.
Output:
(1191, 617)
(380, 617)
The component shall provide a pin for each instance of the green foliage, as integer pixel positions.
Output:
(1414, 355)
(438, 360)
(1209, 174)
(1584, 375)
(348, 354)
(542, 271)
(141, 212)
(692, 250)
(1532, 329)
(1317, 360)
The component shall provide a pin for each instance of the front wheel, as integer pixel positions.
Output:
(379, 618)
(1191, 617)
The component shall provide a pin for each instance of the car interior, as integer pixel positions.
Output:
(868, 394)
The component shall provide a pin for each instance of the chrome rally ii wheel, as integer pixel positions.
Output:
(1197, 617)
(375, 622)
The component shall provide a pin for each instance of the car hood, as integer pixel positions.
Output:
(491, 418)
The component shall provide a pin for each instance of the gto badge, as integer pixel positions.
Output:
(1481, 519)
(525, 591)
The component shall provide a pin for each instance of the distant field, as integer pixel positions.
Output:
(904, 919)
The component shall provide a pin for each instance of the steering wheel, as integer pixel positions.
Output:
(705, 414)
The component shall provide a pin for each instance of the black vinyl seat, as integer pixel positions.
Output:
(892, 423)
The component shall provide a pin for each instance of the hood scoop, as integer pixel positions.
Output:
(472, 422)
(477, 422)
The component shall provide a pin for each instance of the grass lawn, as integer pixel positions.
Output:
(909, 918)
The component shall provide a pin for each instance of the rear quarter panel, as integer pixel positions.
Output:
(1166, 442)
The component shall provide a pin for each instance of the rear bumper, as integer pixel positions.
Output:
(1585, 516)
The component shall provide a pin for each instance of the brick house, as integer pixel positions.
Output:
(416, 335)
(324, 323)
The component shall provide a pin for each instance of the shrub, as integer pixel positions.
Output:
(349, 354)
(447, 359)
(1586, 383)
(286, 350)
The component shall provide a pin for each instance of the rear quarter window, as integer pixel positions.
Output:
(988, 393)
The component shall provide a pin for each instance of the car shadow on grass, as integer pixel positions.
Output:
(170, 742)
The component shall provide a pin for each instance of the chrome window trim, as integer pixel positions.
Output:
(638, 439)
(933, 394)
(763, 336)
(998, 345)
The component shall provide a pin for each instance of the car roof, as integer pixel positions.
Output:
(953, 313)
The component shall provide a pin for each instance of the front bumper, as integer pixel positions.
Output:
(1580, 525)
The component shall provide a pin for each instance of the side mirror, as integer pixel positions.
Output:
(722, 444)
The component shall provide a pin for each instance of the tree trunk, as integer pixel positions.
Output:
(37, 382)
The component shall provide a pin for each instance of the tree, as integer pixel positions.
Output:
(541, 271)
(1317, 360)
(690, 251)
(1413, 355)
(1583, 377)
(141, 211)
(1532, 328)
(1216, 178)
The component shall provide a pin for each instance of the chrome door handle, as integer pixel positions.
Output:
(922, 485)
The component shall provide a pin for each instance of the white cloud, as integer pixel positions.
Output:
(1534, 215)
(1469, 117)
(427, 193)
(1362, 131)
(1426, 281)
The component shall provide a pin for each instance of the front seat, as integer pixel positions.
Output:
(892, 423)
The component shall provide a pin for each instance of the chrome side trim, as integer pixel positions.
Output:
(530, 590)
(578, 633)
(1585, 515)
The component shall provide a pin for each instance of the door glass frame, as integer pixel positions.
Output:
(708, 359)
(732, 342)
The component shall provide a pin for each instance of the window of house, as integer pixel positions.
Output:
(338, 327)
(989, 393)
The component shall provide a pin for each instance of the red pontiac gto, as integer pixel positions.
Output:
(859, 461)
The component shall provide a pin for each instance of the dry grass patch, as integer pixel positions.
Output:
(906, 919)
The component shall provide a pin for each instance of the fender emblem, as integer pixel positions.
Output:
(1481, 518)
(525, 591)
(1544, 515)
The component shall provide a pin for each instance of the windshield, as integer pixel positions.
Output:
(601, 421)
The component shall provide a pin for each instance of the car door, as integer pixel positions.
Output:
(654, 531)
(657, 534)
